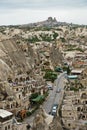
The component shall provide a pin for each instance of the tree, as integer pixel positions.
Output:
(51, 76)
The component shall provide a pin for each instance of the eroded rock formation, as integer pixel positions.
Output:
(43, 121)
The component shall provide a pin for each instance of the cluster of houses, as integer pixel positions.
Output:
(19, 92)
(74, 109)
(74, 105)
(17, 99)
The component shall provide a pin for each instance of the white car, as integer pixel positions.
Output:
(54, 109)
(58, 90)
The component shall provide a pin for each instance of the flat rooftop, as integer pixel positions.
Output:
(77, 71)
(4, 113)
(72, 76)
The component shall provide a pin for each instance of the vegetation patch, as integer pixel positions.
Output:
(74, 89)
(50, 76)
(33, 39)
(62, 39)
(46, 37)
(67, 69)
(73, 49)
(55, 35)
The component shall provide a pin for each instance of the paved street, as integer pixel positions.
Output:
(47, 105)
(60, 85)
(53, 97)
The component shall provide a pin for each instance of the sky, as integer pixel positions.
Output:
(13, 12)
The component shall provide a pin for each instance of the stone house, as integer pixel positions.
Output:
(5, 120)
(74, 109)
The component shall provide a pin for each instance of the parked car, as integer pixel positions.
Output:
(50, 87)
(58, 90)
(58, 69)
(54, 109)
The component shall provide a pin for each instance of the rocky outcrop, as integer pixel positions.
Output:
(40, 121)
(50, 22)
(43, 121)
(55, 55)
(13, 59)
(55, 125)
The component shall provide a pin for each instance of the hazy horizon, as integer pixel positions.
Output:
(30, 11)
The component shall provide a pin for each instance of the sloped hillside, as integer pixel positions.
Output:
(18, 56)
(12, 59)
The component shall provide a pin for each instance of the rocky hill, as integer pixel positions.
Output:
(50, 22)
(27, 52)
(19, 57)
(12, 59)
(21, 48)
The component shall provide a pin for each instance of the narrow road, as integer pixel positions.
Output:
(47, 105)
(60, 85)
(53, 98)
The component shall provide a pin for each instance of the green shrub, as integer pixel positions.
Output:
(50, 76)
(55, 35)
(74, 89)
(33, 95)
(33, 39)
(62, 39)
(28, 113)
(46, 37)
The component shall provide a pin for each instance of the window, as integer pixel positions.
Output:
(78, 109)
(17, 89)
(11, 105)
(5, 127)
(85, 102)
(19, 96)
(69, 124)
(8, 126)
(83, 117)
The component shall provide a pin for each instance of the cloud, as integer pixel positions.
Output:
(43, 4)
(26, 11)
